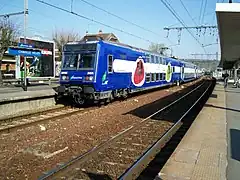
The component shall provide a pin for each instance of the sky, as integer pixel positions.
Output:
(152, 16)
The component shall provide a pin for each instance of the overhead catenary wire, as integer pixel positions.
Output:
(200, 14)
(95, 21)
(168, 6)
(50, 17)
(188, 12)
(210, 13)
(125, 20)
(204, 11)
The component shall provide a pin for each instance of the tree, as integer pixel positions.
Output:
(62, 37)
(158, 48)
(8, 35)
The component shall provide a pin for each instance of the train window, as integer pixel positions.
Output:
(161, 76)
(157, 77)
(160, 60)
(163, 61)
(152, 77)
(110, 63)
(148, 77)
(157, 59)
(164, 75)
(147, 59)
(173, 69)
(152, 59)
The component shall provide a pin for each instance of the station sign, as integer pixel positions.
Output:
(15, 51)
(25, 45)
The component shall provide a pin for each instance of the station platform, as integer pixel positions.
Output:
(14, 101)
(233, 130)
(203, 152)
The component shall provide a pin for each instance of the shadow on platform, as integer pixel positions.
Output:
(213, 96)
(229, 109)
(235, 144)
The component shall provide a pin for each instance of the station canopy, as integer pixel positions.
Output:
(228, 19)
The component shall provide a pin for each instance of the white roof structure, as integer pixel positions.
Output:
(228, 19)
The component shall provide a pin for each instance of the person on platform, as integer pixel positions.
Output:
(225, 77)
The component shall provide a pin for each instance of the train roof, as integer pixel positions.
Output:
(132, 48)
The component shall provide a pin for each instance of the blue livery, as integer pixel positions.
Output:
(101, 71)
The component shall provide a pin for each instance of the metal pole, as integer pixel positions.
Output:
(25, 41)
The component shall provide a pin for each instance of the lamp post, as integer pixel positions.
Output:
(25, 41)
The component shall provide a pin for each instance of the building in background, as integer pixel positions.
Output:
(100, 36)
(8, 66)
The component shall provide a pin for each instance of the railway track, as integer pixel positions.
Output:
(152, 166)
(6, 125)
(126, 155)
(13, 123)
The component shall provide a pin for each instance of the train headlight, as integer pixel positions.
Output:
(89, 78)
(64, 77)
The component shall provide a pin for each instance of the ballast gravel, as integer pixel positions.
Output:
(29, 152)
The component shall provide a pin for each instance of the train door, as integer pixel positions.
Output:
(110, 71)
(182, 72)
(195, 68)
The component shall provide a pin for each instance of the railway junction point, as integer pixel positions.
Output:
(211, 147)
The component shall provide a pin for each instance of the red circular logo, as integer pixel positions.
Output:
(138, 74)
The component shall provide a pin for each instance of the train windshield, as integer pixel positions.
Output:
(79, 56)
(79, 61)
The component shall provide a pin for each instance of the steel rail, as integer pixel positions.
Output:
(146, 158)
(31, 114)
(29, 122)
(85, 156)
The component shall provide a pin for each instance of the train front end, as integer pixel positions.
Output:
(78, 75)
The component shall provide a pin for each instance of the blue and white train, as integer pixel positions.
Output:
(100, 71)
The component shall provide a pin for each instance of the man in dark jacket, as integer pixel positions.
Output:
(225, 77)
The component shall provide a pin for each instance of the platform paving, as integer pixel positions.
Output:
(202, 153)
(233, 130)
(14, 101)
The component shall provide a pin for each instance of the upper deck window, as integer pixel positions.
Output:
(160, 60)
(157, 59)
(152, 59)
(164, 62)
